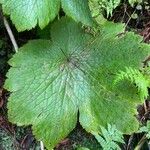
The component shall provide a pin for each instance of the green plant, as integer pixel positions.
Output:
(74, 71)
(110, 138)
(26, 14)
(132, 2)
(97, 6)
(10, 140)
(145, 129)
(135, 77)
(6, 141)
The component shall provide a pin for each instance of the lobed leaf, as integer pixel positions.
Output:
(26, 14)
(51, 80)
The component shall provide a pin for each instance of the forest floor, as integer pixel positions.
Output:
(21, 138)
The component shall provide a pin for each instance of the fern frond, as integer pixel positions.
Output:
(110, 138)
(136, 77)
(145, 129)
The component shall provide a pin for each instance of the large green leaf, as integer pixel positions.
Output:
(51, 80)
(26, 14)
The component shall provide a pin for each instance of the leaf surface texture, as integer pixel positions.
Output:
(26, 14)
(51, 80)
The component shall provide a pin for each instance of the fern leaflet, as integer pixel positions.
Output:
(110, 138)
(136, 77)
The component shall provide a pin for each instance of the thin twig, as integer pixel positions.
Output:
(141, 142)
(15, 45)
(130, 17)
(11, 36)
(41, 145)
(130, 141)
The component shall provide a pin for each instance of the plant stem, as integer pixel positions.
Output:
(11, 36)
(41, 145)
(141, 142)
(130, 141)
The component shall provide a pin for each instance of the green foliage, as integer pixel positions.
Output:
(6, 141)
(72, 72)
(110, 138)
(132, 2)
(145, 129)
(97, 6)
(10, 141)
(26, 14)
(80, 138)
(136, 77)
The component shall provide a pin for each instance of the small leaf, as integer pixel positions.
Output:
(134, 16)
